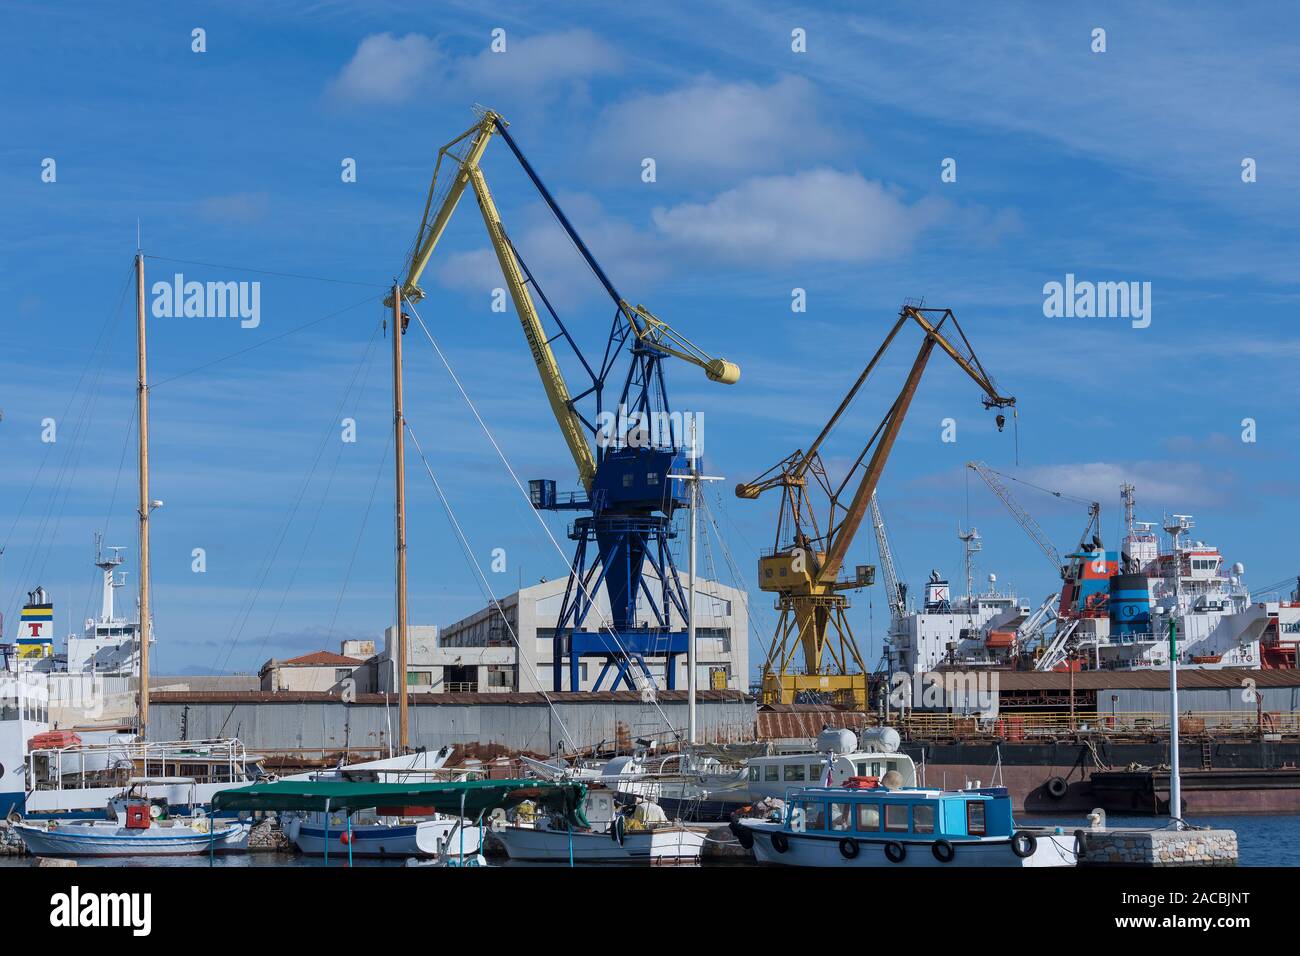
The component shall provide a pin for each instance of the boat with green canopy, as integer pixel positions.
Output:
(471, 800)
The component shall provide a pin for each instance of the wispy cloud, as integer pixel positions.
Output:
(711, 128)
(818, 214)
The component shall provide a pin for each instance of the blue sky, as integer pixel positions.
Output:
(775, 170)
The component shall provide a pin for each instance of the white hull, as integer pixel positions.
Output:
(823, 850)
(670, 844)
(384, 840)
(104, 838)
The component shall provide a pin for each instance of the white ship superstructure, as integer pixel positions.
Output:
(1190, 582)
(980, 629)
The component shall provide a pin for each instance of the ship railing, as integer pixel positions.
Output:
(1016, 727)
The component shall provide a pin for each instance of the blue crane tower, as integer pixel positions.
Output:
(626, 450)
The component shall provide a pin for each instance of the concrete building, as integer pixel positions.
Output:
(422, 662)
(318, 671)
(479, 655)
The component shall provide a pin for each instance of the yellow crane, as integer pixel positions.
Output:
(803, 567)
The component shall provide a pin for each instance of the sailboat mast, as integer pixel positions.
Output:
(399, 424)
(142, 413)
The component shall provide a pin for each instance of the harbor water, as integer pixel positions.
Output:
(1262, 841)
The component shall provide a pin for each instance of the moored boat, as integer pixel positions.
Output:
(863, 824)
(138, 826)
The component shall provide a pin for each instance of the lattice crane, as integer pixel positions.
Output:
(803, 567)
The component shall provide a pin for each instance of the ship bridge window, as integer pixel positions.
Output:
(896, 817)
(868, 817)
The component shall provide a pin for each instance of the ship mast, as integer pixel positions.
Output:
(399, 425)
(142, 411)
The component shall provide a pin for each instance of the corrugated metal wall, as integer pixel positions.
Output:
(333, 725)
(1201, 700)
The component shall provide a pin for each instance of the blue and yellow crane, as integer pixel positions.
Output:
(627, 499)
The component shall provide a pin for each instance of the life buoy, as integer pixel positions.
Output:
(943, 851)
(895, 851)
(780, 842)
(1056, 787)
(849, 848)
(1024, 844)
(743, 834)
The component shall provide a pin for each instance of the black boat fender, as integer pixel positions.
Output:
(943, 851)
(1056, 787)
(895, 851)
(780, 842)
(849, 848)
(1024, 844)
(743, 834)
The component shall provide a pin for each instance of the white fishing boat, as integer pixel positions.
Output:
(137, 826)
(372, 835)
(612, 837)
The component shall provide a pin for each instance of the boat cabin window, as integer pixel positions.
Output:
(753, 774)
(896, 817)
(771, 773)
(794, 771)
(814, 815)
(841, 816)
(923, 818)
(975, 818)
(815, 771)
(869, 817)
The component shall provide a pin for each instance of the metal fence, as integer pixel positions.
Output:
(1136, 723)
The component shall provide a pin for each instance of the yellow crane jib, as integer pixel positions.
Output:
(803, 566)
(464, 154)
(654, 331)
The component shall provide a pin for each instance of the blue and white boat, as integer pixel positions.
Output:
(137, 826)
(862, 824)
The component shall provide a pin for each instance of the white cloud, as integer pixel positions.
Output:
(1161, 485)
(533, 62)
(816, 214)
(711, 127)
(387, 69)
(631, 257)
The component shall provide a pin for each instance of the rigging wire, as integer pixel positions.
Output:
(603, 621)
(356, 547)
(266, 341)
(266, 272)
(484, 586)
(67, 470)
(241, 617)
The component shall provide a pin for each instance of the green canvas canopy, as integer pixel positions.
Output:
(470, 797)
